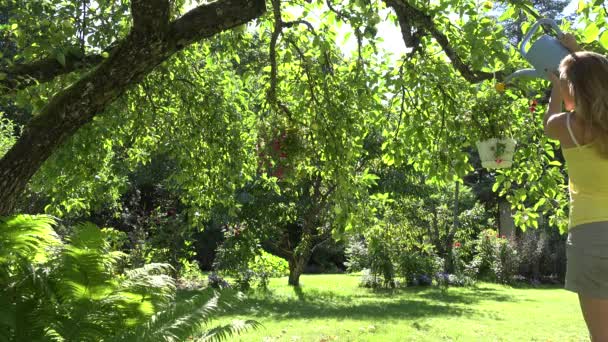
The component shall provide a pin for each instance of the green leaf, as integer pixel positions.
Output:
(60, 58)
(604, 39)
(591, 32)
(388, 159)
(2, 76)
(581, 6)
(509, 13)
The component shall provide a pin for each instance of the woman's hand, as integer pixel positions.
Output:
(553, 78)
(569, 42)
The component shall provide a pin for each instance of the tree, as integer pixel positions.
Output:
(422, 102)
(152, 39)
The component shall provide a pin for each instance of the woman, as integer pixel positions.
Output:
(582, 87)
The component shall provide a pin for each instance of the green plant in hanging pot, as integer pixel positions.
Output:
(494, 143)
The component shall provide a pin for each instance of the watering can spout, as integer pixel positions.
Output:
(531, 73)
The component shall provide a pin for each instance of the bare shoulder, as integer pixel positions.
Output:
(557, 128)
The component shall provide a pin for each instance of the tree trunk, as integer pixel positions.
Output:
(136, 56)
(449, 260)
(506, 224)
(296, 268)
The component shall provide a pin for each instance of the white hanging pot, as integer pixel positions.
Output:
(496, 153)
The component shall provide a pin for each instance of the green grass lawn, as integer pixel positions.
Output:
(334, 308)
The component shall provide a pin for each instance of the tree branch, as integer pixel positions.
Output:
(150, 15)
(205, 20)
(21, 76)
(274, 249)
(407, 13)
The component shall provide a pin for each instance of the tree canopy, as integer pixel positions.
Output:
(236, 92)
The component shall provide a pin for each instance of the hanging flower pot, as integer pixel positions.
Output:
(496, 153)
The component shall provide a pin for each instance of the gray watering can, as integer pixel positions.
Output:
(545, 54)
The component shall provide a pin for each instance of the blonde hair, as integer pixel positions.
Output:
(587, 76)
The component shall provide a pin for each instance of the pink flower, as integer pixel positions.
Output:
(457, 244)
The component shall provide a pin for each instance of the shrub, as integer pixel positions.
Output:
(368, 279)
(190, 275)
(217, 282)
(417, 268)
(381, 265)
(445, 279)
(357, 255)
(496, 258)
(506, 263)
(234, 255)
(266, 266)
(240, 258)
(485, 253)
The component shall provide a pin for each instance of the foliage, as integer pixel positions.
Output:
(217, 282)
(382, 267)
(492, 113)
(496, 257)
(418, 268)
(241, 259)
(7, 134)
(506, 264)
(75, 290)
(449, 279)
(266, 266)
(357, 255)
(339, 120)
(190, 274)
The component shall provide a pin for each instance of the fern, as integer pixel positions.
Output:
(73, 290)
(186, 320)
(26, 237)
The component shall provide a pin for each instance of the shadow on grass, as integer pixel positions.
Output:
(367, 304)
(378, 305)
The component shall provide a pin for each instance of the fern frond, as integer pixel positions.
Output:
(26, 236)
(221, 333)
(177, 322)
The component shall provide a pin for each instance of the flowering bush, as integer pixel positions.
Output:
(506, 263)
(496, 258)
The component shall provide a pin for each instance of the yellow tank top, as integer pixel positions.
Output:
(588, 183)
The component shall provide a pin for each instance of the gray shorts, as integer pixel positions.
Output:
(587, 260)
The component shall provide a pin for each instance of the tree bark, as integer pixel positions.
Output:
(296, 268)
(136, 56)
